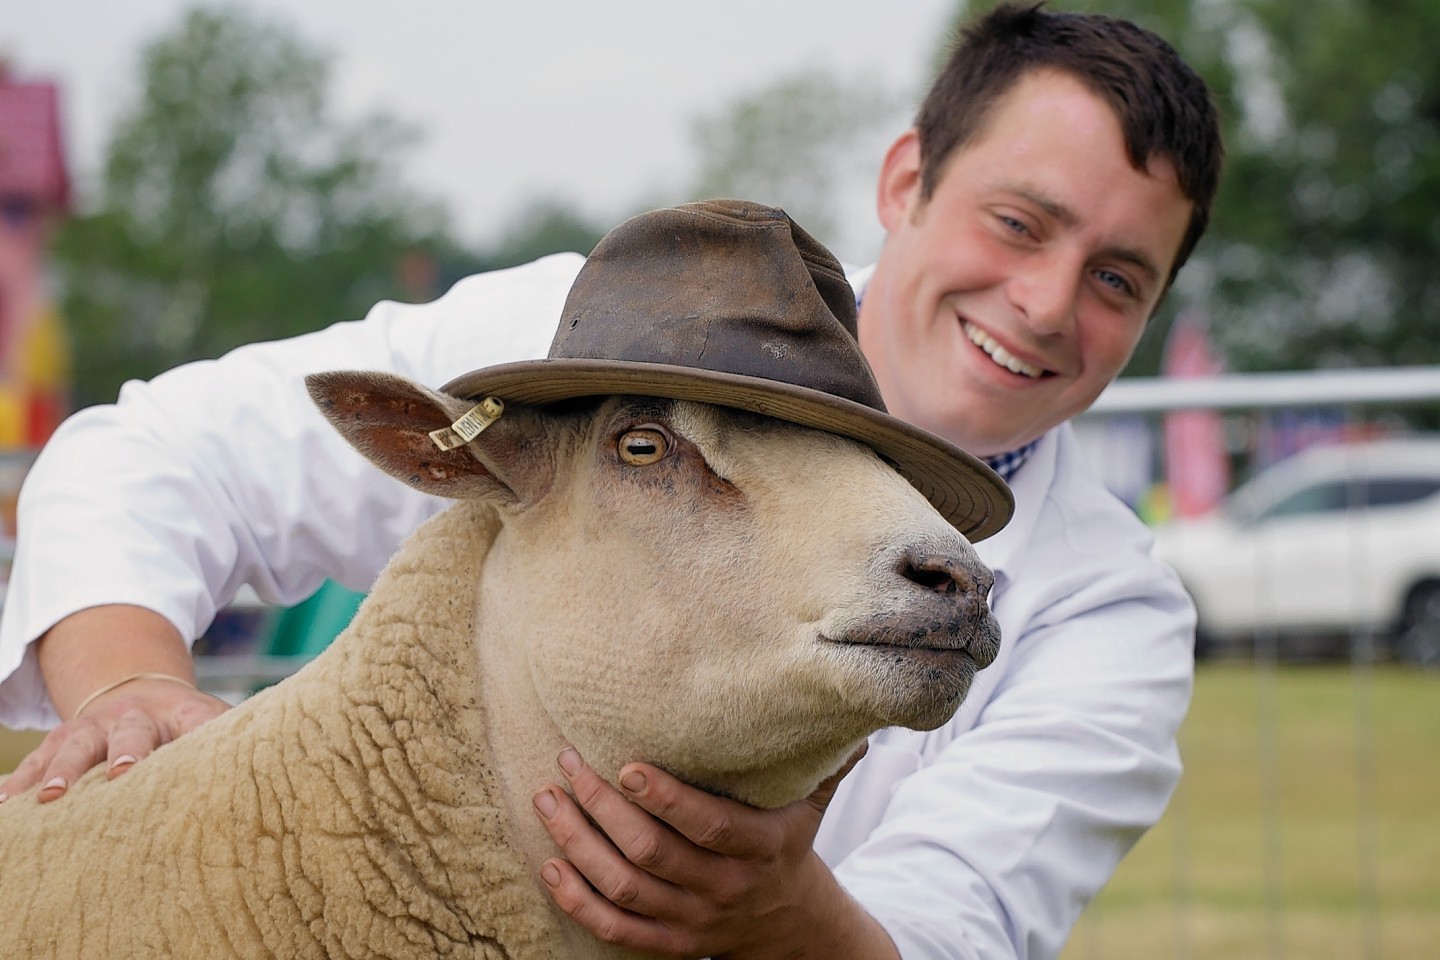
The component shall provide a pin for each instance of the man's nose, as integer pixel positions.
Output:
(1045, 293)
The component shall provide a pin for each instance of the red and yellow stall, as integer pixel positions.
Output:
(34, 349)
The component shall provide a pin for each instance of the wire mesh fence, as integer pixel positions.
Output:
(1306, 823)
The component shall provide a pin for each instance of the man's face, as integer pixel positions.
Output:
(1006, 302)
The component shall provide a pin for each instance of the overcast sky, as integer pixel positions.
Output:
(586, 101)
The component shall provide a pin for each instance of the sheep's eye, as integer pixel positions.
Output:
(643, 446)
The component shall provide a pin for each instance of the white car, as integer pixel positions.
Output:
(1340, 540)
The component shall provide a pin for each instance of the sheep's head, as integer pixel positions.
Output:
(735, 598)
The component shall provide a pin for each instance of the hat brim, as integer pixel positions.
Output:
(961, 487)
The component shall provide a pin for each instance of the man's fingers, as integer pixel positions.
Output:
(639, 836)
(726, 826)
(603, 919)
(119, 732)
(80, 746)
(627, 855)
(661, 866)
(595, 858)
(197, 708)
(718, 824)
(133, 737)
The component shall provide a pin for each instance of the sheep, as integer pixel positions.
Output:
(691, 535)
(739, 600)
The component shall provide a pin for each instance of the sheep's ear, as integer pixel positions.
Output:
(390, 420)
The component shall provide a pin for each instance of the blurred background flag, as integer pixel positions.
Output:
(1197, 467)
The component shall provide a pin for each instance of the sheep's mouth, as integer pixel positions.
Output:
(951, 657)
(975, 639)
(918, 685)
(929, 645)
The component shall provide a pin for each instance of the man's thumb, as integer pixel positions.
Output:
(823, 794)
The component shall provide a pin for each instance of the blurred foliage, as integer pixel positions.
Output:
(544, 225)
(793, 144)
(1326, 232)
(234, 207)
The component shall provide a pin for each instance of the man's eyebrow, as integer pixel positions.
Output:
(1050, 205)
(1067, 217)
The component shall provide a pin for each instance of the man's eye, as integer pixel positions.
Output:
(1116, 282)
(1014, 226)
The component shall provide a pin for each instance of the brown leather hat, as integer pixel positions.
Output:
(732, 303)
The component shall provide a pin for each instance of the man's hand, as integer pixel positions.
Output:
(118, 729)
(88, 651)
(672, 870)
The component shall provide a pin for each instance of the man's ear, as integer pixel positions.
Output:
(389, 419)
(898, 190)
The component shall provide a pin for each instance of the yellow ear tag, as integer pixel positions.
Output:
(469, 426)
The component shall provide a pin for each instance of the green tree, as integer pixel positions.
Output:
(234, 207)
(794, 143)
(544, 225)
(1330, 227)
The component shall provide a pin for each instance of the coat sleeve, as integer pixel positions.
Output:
(996, 838)
(221, 473)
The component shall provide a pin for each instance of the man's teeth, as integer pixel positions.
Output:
(999, 354)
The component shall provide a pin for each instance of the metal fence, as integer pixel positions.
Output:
(1362, 880)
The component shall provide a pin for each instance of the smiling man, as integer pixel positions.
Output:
(1017, 276)
(1061, 171)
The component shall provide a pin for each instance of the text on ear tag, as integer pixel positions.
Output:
(470, 425)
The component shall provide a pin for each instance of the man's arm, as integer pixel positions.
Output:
(221, 473)
(141, 519)
(138, 641)
(213, 475)
(136, 690)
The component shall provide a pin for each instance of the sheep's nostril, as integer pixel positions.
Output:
(933, 580)
(939, 573)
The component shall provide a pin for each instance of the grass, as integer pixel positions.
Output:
(14, 744)
(1319, 839)
(1307, 825)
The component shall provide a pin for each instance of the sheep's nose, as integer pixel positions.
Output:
(946, 573)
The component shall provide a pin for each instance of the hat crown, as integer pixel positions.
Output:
(731, 303)
(724, 285)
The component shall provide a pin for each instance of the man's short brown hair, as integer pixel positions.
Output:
(1163, 106)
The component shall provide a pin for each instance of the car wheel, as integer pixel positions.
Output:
(1418, 642)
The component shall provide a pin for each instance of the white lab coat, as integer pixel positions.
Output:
(983, 839)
